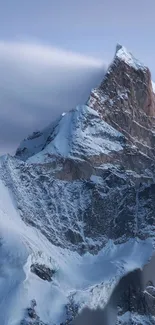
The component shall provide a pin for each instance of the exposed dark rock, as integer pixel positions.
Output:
(42, 271)
(31, 317)
(126, 101)
(128, 304)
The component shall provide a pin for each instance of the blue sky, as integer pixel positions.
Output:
(91, 27)
(52, 52)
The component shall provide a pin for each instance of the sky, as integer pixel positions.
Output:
(52, 52)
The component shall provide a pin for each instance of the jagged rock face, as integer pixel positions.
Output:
(131, 302)
(83, 181)
(126, 101)
(136, 304)
(83, 214)
(89, 177)
(132, 297)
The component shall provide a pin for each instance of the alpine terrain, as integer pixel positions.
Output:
(77, 210)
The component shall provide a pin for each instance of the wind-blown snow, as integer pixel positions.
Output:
(37, 83)
(22, 245)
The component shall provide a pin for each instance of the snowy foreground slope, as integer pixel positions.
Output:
(77, 207)
(75, 275)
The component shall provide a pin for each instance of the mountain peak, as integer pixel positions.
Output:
(118, 46)
(124, 55)
(125, 99)
(84, 186)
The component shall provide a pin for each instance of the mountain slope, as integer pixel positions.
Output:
(79, 133)
(75, 275)
(78, 203)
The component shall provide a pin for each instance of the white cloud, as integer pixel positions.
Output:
(37, 83)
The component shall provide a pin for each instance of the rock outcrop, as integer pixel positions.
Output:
(125, 99)
(31, 317)
(42, 271)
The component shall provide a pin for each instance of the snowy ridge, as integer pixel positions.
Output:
(35, 142)
(79, 133)
(128, 58)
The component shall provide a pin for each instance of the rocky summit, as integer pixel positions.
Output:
(77, 209)
(125, 99)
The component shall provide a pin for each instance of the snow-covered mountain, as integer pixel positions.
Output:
(77, 207)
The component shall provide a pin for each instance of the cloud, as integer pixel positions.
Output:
(37, 83)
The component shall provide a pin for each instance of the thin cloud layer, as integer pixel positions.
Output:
(37, 83)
